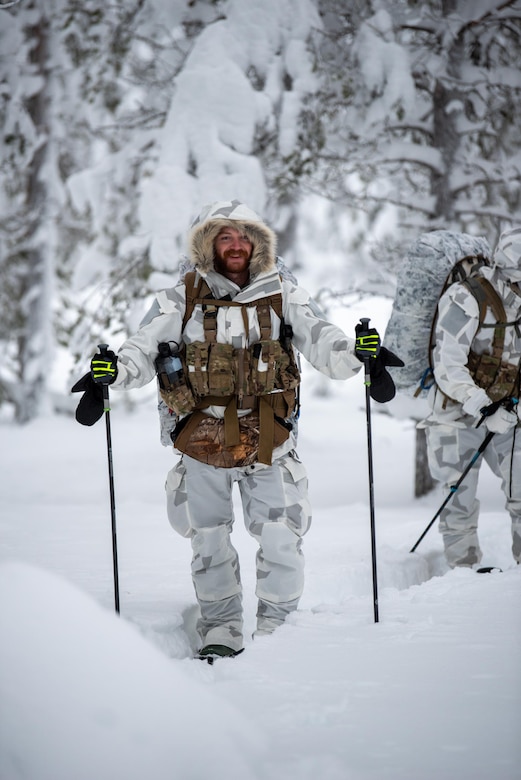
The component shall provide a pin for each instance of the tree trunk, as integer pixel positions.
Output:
(33, 343)
(423, 482)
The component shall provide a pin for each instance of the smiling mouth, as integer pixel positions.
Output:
(235, 255)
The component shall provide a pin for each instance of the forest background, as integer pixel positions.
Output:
(352, 127)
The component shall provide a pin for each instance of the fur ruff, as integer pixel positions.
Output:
(261, 236)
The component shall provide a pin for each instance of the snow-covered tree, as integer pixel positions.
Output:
(25, 233)
(233, 118)
(123, 119)
(423, 118)
(425, 114)
(85, 86)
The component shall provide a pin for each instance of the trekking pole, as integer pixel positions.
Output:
(106, 408)
(510, 405)
(455, 487)
(367, 382)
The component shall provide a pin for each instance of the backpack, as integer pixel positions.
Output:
(434, 262)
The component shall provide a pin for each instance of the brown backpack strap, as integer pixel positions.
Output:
(192, 292)
(487, 297)
(264, 317)
(201, 293)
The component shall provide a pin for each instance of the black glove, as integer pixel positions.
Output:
(367, 344)
(90, 407)
(382, 387)
(104, 367)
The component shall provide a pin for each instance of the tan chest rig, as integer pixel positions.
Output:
(262, 377)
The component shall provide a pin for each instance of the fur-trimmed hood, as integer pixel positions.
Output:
(213, 218)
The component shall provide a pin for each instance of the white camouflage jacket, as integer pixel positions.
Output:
(322, 343)
(455, 334)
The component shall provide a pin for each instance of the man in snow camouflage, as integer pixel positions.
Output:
(474, 367)
(238, 322)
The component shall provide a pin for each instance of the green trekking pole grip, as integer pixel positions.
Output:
(103, 349)
(364, 322)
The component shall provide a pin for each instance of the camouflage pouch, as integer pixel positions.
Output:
(204, 441)
(179, 399)
(265, 359)
(498, 378)
(272, 368)
(221, 370)
(288, 373)
(196, 357)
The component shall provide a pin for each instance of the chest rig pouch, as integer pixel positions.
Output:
(262, 377)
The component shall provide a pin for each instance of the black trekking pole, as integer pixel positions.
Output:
(106, 408)
(455, 487)
(367, 381)
(510, 405)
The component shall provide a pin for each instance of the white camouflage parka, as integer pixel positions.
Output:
(460, 400)
(322, 343)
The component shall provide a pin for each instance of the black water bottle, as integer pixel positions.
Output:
(169, 367)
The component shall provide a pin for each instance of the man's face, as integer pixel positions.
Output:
(232, 252)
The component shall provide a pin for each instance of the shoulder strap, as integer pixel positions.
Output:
(487, 297)
(193, 292)
(201, 293)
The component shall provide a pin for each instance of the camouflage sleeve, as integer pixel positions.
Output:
(456, 327)
(322, 343)
(163, 322)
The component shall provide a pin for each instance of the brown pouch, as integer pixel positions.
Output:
(203, 437)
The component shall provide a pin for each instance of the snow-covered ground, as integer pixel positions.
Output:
(430, 692)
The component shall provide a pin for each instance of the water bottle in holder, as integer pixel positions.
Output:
(169, 367)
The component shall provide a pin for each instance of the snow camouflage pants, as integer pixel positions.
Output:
(276, 513)
(450, 450)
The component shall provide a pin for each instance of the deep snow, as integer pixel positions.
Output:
(431, 692)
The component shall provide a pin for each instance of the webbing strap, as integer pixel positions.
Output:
(264, 317)
(210, 322)
(487, 297)
(184, 435)
(201, 294)
(266, 431)
(192, 293)
(231, 424)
